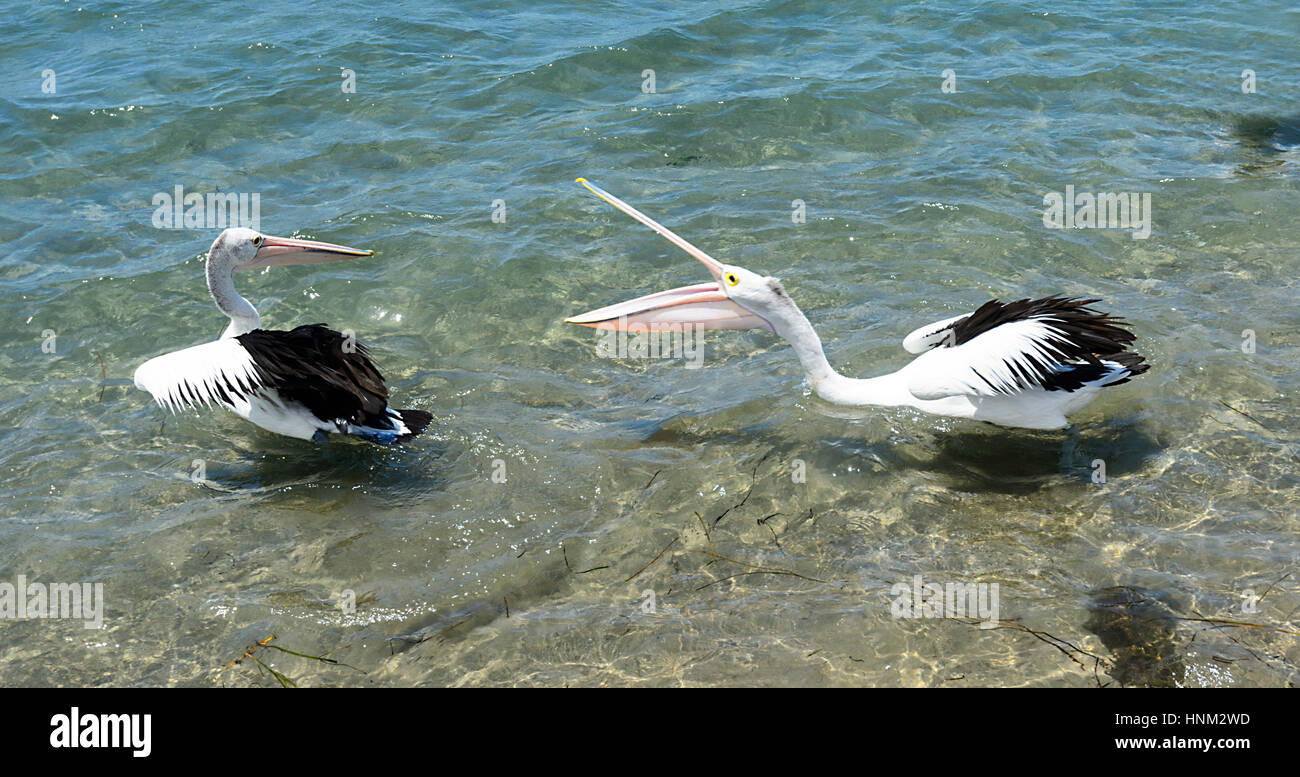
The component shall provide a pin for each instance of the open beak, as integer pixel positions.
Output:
(277, 251)
(704, 305)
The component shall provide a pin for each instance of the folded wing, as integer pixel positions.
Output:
(1054, 344)
(326, 371)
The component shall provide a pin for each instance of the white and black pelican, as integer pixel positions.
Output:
(1027, 364)
(304, 383)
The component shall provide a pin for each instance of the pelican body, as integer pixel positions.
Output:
(1027, 364)
(306, 383)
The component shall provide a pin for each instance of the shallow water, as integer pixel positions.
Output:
(589, 565)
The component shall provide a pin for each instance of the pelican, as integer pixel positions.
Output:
(306, 383)
(1027, 364)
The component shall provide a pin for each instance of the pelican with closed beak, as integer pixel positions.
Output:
(307, 383)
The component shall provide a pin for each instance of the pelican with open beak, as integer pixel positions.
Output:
(1028, 363)
(305, 383)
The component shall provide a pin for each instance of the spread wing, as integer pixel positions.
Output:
(328, 373)
(219, 372)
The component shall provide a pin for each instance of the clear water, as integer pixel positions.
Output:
(921, 204)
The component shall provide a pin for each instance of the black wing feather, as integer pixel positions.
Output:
(1088, 336)
(330, 374)
(1090, 332)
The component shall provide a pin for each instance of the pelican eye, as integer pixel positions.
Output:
(257, 241)
(731, 279)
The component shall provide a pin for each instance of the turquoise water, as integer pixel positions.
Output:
(920, 203)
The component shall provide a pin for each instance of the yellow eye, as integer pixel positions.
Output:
(257, 241)
(731, 279)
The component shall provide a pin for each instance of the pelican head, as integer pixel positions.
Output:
(240, 248)
(736, 299)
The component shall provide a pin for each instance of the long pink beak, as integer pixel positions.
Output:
(278, 251)
(704, 305)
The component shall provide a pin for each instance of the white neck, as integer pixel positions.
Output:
(831, 386)
(221, 285)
